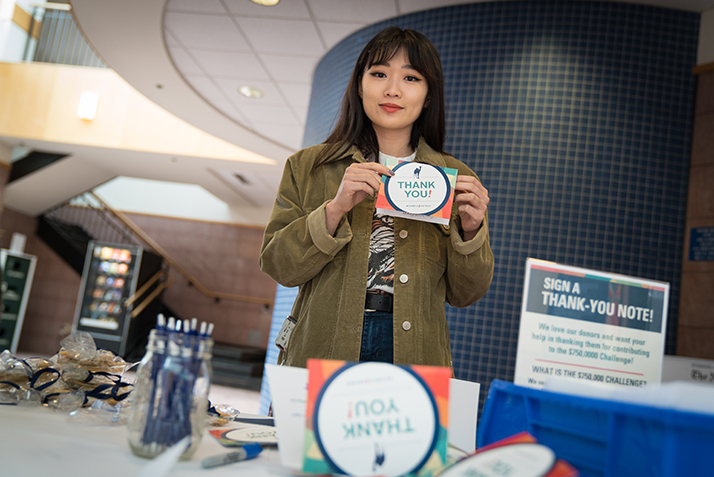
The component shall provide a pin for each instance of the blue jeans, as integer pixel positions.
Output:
(377, 337)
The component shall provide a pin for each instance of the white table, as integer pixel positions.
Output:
(35, 441)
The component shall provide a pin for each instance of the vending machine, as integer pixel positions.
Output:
(112, 274)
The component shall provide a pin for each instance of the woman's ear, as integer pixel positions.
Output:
(426, 103)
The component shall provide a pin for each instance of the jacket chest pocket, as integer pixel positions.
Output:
(435, 242)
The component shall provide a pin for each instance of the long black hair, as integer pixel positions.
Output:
(354, 127)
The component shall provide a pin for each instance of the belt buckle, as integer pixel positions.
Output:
(369, 310)
(381, 298)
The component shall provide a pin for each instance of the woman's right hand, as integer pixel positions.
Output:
(360, 180)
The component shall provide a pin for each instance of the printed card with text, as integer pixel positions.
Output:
(376, 419)
(417, 191)
(591, 326)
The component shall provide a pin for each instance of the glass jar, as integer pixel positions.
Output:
(202, 373)
(170, 394)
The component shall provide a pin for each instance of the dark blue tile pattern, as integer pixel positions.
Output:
(577, 116)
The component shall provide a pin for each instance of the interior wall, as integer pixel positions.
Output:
(54, 291)
(221, 256)
(696, 320)
(705, 53)
(578, 118)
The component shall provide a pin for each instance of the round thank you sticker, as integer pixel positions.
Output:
(417, 188)
(261, 434)
(376, 419)
(515, 460)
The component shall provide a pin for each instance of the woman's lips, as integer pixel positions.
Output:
(390, 107)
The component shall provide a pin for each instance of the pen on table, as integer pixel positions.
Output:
(247, 451)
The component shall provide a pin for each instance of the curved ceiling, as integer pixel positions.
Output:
(221, 45)
(128, 36)
(190, 56)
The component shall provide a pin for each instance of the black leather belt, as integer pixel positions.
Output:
(377, 302)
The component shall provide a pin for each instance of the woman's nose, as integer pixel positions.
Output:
(392, 89)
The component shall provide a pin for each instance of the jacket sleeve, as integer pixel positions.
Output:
(470, 264)
(296, 245)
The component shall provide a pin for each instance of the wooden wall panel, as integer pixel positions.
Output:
(695, 331)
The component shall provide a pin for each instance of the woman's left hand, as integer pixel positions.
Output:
(472, 201)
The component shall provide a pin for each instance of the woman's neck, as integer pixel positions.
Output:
(396, 145)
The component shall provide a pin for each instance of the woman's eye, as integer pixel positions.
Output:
(378, 74)
(412, 78)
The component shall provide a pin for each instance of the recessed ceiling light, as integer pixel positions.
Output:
(250, 92)
(266, 3)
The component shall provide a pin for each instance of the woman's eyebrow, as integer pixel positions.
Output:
(405, 66)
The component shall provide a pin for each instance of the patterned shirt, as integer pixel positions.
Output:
(380, 276)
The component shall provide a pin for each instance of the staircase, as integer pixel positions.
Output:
(67, 240)
(238, 367)
(68, 228)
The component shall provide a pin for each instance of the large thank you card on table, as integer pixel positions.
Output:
(375, 418)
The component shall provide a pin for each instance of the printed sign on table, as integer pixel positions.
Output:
(417, 191)
(589, 325)
(375, 418)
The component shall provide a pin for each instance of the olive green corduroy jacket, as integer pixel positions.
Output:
(432, 265)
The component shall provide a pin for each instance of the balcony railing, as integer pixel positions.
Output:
(61, 42)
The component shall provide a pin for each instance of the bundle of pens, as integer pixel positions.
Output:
(171, 389)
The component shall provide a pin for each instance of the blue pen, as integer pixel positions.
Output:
(247, 451)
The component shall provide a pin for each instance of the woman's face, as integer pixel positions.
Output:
(393, 94)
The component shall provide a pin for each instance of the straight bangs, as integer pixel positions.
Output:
(384, 52)
(381, 54)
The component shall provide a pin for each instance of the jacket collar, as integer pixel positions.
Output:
(424, 154)
(428, 155)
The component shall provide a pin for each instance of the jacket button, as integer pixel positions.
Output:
(404, 278)
(403, 234)
(406, 326)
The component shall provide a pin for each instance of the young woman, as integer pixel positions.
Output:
(373, 287)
